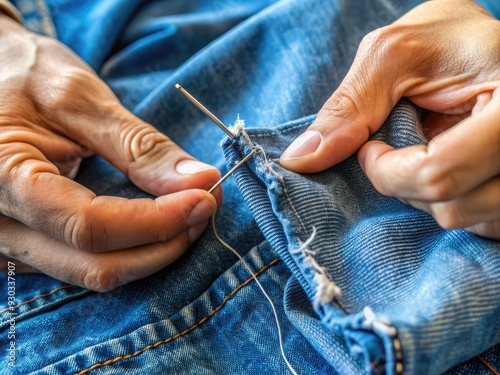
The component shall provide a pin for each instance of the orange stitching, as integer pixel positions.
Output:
(186, 331)
(37, 297)
(488, 366)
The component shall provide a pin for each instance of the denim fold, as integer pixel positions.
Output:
(381, 264)
(405, 291)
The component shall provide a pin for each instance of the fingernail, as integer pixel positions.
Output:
(201, 212)
(196, 231)
(188, 166)
(305, 145)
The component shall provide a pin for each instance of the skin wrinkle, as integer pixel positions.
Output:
(152, 144)
(101, 279)
(438, 181)
(79, 228)
(448, 215)
(97, 242)
(162, 236)
(127, 136)
(53, 148)
(341, 106)
(70, 233)
(26, 176)
(95, 232)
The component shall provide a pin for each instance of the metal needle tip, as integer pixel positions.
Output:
(202, 108)
(232, 170)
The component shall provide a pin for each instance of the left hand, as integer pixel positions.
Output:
(54, 111)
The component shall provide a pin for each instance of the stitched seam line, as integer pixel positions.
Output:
(398, 365)
(488, 366)
(186, 331)
(37, 297)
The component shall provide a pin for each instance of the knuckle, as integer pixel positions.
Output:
(72, 91)
(343, 104)
(448, 215)
(387, 52)
(100, 278)
(489, 229)
(85, 233)
(436, 183)
(380, 42)
(144, 142)
(350, 100)
(64, 86)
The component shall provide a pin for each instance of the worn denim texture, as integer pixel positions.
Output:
(431, 292)
(275, 65)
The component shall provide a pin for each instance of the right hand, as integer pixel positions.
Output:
(54, 110)
(444, 56)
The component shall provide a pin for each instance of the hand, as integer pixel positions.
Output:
(54, 111)
(444, 57)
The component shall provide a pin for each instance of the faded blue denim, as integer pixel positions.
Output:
(275, 65)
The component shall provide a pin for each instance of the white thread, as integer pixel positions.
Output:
(254, 276)
(326, 290)
(378, 325)
(305, 245)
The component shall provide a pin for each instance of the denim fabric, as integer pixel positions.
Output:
(273, 64)
(432, 293)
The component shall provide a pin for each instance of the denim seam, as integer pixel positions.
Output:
(377, 325)
(264, 132)
(186, 331)
(239, 127)
(37, 297)
(289, 127)
(488, 365)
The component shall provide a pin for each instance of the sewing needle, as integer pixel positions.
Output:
(202, 108)
(232, 170)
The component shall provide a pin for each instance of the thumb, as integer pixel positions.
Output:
(352, 114)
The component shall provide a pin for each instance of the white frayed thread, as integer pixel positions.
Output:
(254, 276)
(239, 127)
(377, 324)
(326, 290)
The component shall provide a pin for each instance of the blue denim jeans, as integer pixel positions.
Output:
(379, 288)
